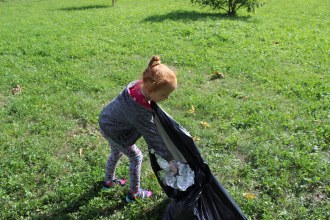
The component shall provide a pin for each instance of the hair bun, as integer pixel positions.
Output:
(155, 60)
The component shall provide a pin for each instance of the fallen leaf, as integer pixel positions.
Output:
(249, 196)
(196, 138)
(205, 124)
(191, 110)
(16, 90)
(217, 75)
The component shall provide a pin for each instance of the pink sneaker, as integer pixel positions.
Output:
(110, 184)
(141, 194)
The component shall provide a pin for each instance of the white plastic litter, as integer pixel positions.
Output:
(180, 180)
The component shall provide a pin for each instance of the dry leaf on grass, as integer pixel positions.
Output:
(16, 90)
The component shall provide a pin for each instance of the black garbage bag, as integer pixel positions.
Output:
(206, 198)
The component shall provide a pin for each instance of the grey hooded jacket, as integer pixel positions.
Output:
(124, 121)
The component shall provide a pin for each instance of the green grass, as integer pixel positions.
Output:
(269, 117)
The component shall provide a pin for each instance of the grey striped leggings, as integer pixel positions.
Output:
(135, 157)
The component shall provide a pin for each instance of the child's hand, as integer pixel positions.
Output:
(173, 167)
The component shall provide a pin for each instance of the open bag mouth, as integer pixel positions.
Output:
(200, 195)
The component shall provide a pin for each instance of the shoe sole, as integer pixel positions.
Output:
(113, 186)
(128, 199)
(132, 200)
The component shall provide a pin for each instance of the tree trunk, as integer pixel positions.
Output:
(231, 7)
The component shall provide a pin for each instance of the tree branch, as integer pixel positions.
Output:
(240, 5)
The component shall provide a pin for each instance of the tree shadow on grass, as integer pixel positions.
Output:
(81, 201)
(87, 7)
(181, 15)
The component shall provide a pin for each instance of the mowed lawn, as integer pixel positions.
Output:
(263, 128)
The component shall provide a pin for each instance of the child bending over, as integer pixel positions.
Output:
(128, 117)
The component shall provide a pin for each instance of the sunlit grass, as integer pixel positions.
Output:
(263, 126)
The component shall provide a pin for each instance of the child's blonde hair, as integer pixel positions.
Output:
(157, 75)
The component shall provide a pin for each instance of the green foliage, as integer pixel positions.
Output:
(263, 127)
(230, 6)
